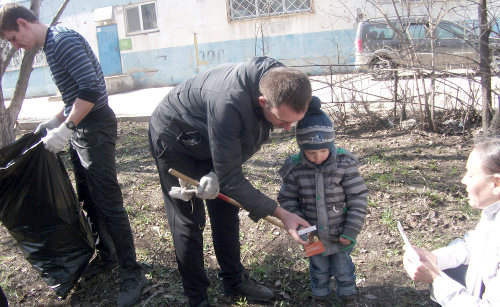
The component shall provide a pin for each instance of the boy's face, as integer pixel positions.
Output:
(317, 156)
(23, 38)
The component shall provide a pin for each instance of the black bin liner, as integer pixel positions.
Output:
(39, 208)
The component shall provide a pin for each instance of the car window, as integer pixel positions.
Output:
(448, 30)
(416, 31)
(378, 31)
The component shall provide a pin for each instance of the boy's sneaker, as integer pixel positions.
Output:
(322, 301)
(349, 301)
(250, 289)
(130, 291)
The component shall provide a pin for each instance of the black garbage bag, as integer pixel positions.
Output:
(39, 208)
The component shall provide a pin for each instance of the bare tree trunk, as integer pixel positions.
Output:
(395, 96)
(8, 134)
(484, 64)
(427, 108)
(494, 128)
(421, 111)
(6, 61)
(432, 118)
(8, 116)
(432, 31)
(59, 13)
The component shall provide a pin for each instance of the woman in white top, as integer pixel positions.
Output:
(478, 250)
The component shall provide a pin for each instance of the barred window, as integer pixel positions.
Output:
(15, 63)
(245, 9)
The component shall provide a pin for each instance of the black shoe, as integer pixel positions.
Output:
(349, 301)
(97, 265)
(130, 291)
(205, 303)
(249, 288)
(322, 301)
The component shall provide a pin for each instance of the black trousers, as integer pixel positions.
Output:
(458, 274)
(187, 222)
(3, 299)
(93, 157)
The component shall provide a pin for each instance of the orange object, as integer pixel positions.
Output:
(314, 248)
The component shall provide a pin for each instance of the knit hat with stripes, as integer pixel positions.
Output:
(315, 130)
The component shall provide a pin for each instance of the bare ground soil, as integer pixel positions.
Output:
(413, 177)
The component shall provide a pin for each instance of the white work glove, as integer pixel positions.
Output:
(57, 138)
(209, 186)
(48, 124)
(185, 192)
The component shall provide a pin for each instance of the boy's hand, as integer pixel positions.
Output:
(345, 241)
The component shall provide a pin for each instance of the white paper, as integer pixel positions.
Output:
(307, 230)
(403, 234)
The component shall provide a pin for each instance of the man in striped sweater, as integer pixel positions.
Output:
(90, 124)
(322, 185)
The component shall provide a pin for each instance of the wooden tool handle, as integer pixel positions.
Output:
(233, 202)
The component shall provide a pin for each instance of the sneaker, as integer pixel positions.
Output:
(349, 301)
(322, 301)
(130, 291)
(97, 265)
(249, 288)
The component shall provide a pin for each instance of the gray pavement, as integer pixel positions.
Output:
(139, 104)
(135, 105)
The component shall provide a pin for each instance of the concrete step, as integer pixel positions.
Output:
(119, 83)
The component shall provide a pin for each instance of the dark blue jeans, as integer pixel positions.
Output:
(338, 265)
(93, 157)
(187, 222)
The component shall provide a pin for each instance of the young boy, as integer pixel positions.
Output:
(322, 185)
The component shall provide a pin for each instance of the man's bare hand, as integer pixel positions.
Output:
(291, 222)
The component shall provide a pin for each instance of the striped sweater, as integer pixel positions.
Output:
(74, 67)
(332, 196)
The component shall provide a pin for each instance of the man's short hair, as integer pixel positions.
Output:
(286, 85)
(9, 13)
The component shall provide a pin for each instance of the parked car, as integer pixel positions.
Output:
(383, 46)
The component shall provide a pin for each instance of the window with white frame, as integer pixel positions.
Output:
(245, 9)
(141, 18)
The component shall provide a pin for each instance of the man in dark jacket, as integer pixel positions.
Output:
(212, 123)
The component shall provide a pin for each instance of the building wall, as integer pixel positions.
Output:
(170, 55)
(194, 35)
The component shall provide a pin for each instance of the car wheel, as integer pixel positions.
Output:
(382, 68)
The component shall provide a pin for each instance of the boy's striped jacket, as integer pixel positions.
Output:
(332, 196)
